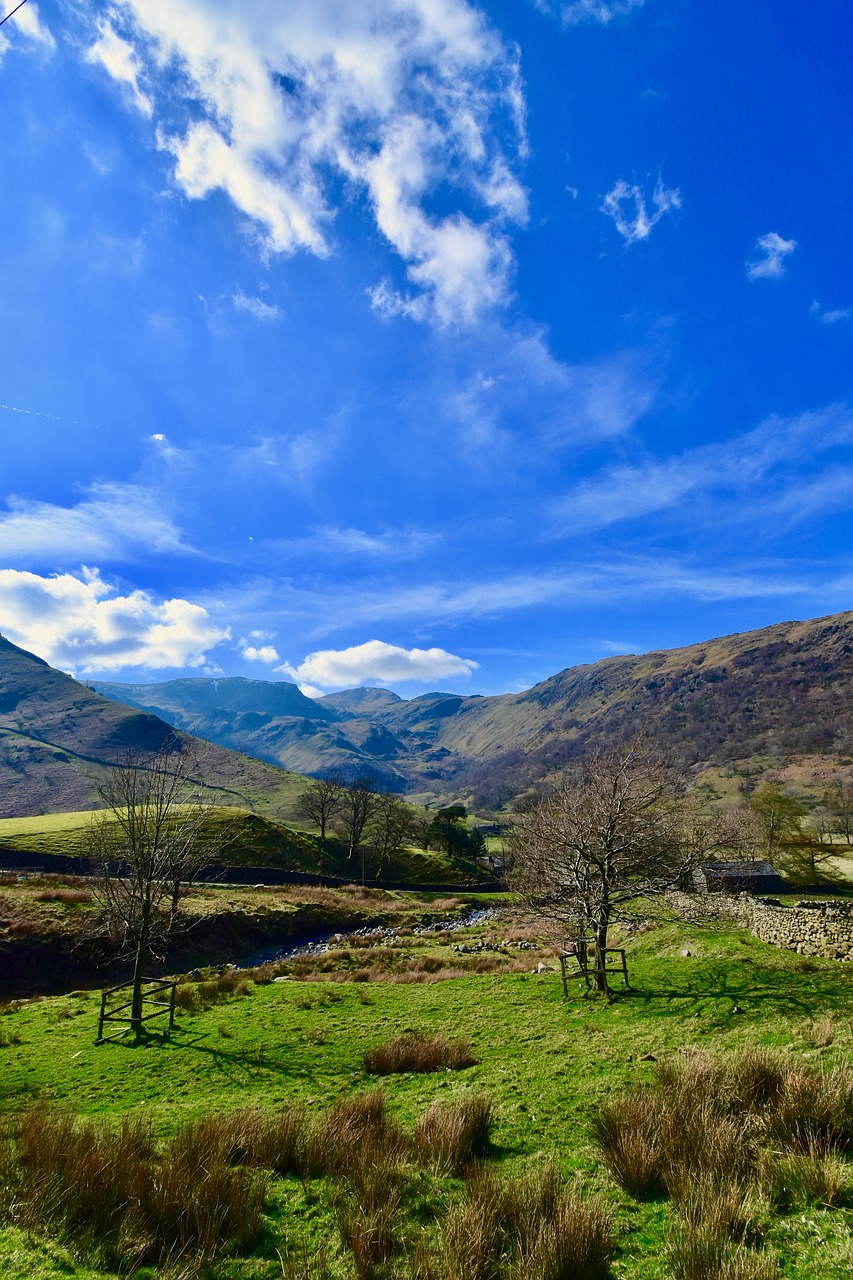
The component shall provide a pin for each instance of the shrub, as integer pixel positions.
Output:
(416, 1052)
(450, 1135)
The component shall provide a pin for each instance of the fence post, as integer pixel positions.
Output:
(101, 1016)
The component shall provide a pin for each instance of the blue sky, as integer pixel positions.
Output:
(420, 342)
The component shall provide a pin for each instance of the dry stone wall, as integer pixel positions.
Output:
(809, 928)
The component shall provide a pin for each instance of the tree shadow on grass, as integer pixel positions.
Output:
(228, 1061)
(775, 990)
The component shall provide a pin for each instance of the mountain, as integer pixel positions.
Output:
(766, 696)
(274, 721)
(58, 739)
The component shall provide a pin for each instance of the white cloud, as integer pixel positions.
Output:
(772, 265)
(626, 205)
(113, 522)
(324, 608)
(390, 544)
(256, 307)
(601, 11)
(81, 624)
(375, 661)
(519, 392)
(119, 60)
(257, 653)
(397, 97)
(750, 462)
(27, 23)
(834, 316)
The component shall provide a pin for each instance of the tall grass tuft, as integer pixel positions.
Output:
(814, 1108)
(529, 1228)
(817, 1177)
(416, 1052)
(354, 1133)
(627, 1132)
(705, 1255)
(452, 1134)
(105, 1187)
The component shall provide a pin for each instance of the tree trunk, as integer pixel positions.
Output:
(600, 956)
(138, 965)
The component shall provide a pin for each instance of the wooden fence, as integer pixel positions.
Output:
(151, 996)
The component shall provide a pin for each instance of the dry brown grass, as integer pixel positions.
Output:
(68, 897)
(703, 1255)
(354, 1134)
(452, 1134)
(724, 1137)
(528, 1228)
(417, 1052)
(821, 1033)
(816, 1177)
(105, 1187)
(191, 996)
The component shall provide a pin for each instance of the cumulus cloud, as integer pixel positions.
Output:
(114, 521)
(376, 662)
(256, 307)
(254, 652)
(395, 97)
(774, 251)
(27, 23)
(119, 60)
(632, 217)
(80, 623)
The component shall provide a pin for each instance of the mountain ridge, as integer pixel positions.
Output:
(780, 690)
(59, 738)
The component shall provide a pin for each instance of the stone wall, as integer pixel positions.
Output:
(809, 928)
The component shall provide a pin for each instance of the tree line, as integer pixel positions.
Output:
(371, 821)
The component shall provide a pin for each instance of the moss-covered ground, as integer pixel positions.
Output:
(546, 1063)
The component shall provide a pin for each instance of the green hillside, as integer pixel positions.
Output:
(58, 739)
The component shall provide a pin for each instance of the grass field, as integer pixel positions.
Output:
(547, 1066)
(251, 841)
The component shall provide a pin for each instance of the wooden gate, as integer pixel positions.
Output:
(153, 989)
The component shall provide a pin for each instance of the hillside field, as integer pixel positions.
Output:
(548, 1067)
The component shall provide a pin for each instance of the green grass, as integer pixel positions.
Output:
(547, 1066)
(256, 841)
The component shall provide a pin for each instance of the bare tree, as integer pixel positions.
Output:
(610, 833)
(736, 833)
(358, 804)
(148, 843)
(321, 801)
(779, 813)
(393, 825)
(839, 801)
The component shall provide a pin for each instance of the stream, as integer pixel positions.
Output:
(331, 941)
